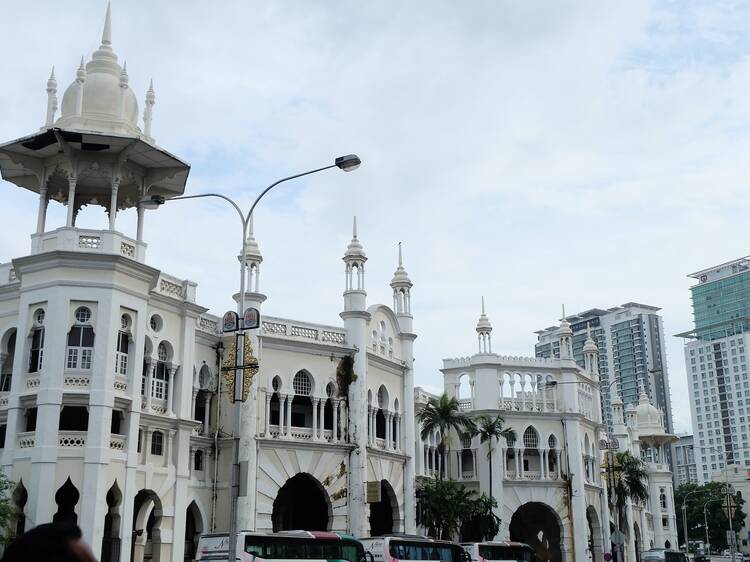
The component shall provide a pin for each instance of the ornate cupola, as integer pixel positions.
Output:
(565, 334)
(93, 154)
(591, 354)
(253, 259)
(401, 285)
(484, 332)
(354, 260)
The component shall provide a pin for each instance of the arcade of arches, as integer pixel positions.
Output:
(302, 503)
(537, 525)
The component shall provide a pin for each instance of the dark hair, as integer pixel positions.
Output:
(50, 542)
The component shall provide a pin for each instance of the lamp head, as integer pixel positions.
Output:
(152, 202)
(348, 163)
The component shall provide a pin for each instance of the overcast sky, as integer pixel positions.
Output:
(537, 153)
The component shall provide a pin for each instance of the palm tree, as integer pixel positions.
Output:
(630, 481)
(488, 429)
(443, 415)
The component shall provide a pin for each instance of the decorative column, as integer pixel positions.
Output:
(139, 228)
(170, 390)
(460, 464)
(269, 395)
(517, 458)
(147, 449)
(72, 180)
(41, 216)
(370, 427)
(113, 202)
(388, 430)
(322, 419)
(398, 432)
(207, 410)
(170, 445)
(289, 399)
(558, 463)
(335, 434)
(316, 402)
(195, 404)
(151, 366)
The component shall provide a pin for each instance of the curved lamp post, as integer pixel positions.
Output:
(347, 163)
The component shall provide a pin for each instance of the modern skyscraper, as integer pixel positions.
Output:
(630, 339)
(717, 366)
(683, 460)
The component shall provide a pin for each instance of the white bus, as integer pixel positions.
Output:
(318, 546)
(499, 551)
(394, 548)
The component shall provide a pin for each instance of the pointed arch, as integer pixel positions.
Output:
(66, 498)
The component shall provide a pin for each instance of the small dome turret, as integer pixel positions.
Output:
(484, 332)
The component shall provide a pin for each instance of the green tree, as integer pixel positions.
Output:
(718, 523)
(8, 511)
(489, 429)
(444, 416)
(629, 481)
(449, 511)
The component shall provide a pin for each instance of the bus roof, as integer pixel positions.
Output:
(405, 536)
(292, 534)
(499, 543)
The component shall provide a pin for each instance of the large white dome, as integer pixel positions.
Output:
(100, 99)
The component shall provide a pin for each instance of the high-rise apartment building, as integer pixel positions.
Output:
(684, 470)
(630, 339)
(717, 366)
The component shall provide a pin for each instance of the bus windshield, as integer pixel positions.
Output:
(500, 552)
(294, 548)
(414, 550)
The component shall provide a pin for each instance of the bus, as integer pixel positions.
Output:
(496, 551)
(320, 546)
(397, 547)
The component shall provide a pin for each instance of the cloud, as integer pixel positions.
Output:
(535, 153)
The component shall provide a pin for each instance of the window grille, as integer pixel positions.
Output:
(80, 347)
(530, 438)
(39, 317)
(466, 442)
(161, 352)
(124, 322)
(276, 384)
(157, 443)
(510, 440)
(155, 322)
(329, 389)
(159, 382)
(302, 384)
(552, 442)
(83, 315)
(198, 461)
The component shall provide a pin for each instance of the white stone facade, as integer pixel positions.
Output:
(549, 482)
(114, 411)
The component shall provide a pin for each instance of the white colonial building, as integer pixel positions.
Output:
(548, 481)
(113, 410)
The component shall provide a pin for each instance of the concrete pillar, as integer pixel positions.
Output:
(113, 203)
(207, 409)
(289, 399)
(139, 229)
(71, 200)
(41, 216)
(269, 395)
(335, 433)
(315, 403)
(171, 390)
(388, 431)
(577, 487)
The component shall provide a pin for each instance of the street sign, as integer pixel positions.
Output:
(230, 322)
(617, 538)
(729, 507)
(251, 318)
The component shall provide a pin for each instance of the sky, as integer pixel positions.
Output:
(535, 153)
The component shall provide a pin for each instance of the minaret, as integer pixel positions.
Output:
(80, 79)
(591, 355)
(148, 111)
(123, 88)
(246, 507)
(356, 318)
(484, 332)
(401, 285)
(566, 338)
(51, 99)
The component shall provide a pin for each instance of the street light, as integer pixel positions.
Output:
(705, 523)
(347, 163)
(684, 518)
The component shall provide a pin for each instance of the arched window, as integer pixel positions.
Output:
(198, 460)
(37, 342)
(6, 369)
(302, 384)
(157, 443)
(530, 438)
(662, 499)
(123, 347)
(552, 442)
(160, 380)
(80, 341)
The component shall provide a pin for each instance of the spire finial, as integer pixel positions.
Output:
(482, 304)
(563, 311)
(354, 228)
(107, 33)
(52, 74)
(400, 258)
(250, 227)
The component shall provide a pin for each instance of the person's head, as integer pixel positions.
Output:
(51, 542)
